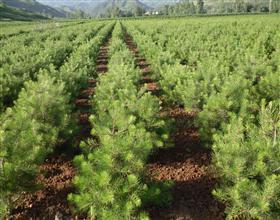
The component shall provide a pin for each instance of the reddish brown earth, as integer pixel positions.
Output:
(57, 172)
(144, 66)
(50, 201)
(187, 164)
(82, 103)
(86, 93)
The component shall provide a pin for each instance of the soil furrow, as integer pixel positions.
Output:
(144, 66)
(57, 172)
(187, 164)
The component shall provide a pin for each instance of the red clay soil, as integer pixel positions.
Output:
(83, 103)
(57, 172)
(144, 66)
(50, 201)
(187, 164)
(86, 93)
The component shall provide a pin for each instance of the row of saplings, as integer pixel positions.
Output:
(40, 119)
(238, 116)
(126, 126)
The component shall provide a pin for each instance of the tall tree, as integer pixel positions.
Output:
(239, 5)
(200, 6)
(138, 11)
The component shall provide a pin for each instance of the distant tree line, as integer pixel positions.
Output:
(239, 6)
(113, 12)
(190, 7)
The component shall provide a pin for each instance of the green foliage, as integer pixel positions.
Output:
(205, 73)
(188, 7)
(232, 98)
(175, 87)
(120, 8)
(29, 132)
(40, 117)
(247, 157)
(18, 14)
(81, 64)
(35, 7)
(24, 56)
(127, 126)
(184, 7)
(268, 86)
(224, 68)
(158, 193)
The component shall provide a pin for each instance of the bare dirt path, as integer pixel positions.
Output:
(57, 172)
(187, 164)
(144, 66)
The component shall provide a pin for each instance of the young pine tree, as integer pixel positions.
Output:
(247, 157)
(28, 132)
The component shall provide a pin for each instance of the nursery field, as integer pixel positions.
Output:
(174, 118)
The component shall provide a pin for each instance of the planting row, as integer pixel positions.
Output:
(22, 59)
(126, 127)
(41, 119)
(9, 29)
(229, 74)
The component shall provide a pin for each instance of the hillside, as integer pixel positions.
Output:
(90, 4)
(9, 13)
(85, 5)
(120, 7)
(101, 7)
(114, 8)
(34, 7)
(159, 3)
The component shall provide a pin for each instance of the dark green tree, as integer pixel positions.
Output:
(200, 6)
(239, 6)
(138, 11)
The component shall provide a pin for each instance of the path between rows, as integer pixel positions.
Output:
(187, 163)
(57, 172)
